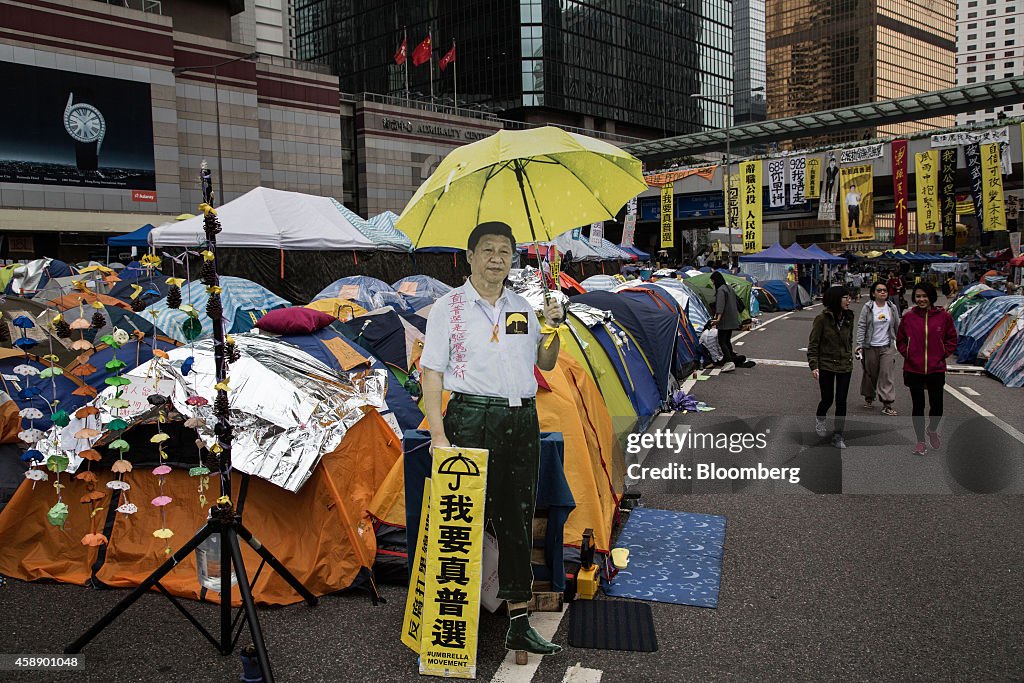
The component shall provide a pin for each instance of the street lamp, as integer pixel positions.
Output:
(728, 160)
(216, 103)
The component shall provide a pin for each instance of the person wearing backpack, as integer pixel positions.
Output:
(727, 318)
(830, 357)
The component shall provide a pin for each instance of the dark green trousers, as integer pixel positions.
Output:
(512, 438)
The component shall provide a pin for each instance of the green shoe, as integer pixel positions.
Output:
(530, 641)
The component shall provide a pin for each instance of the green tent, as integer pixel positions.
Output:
(701, 284)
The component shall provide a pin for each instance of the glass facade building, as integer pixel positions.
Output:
(625, 66)
(826, 55)
(748, 39)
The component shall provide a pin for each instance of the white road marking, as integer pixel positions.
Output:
(716, 371)
(802, 348)
(781, 363)
(580, 674)
(546, 624)
(984, 413)
(969, 391)
(739, 343)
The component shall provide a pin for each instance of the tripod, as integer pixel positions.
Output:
(226, 522)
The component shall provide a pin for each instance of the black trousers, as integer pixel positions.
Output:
(834, 387)
(512, 438)
(920, 384)
(725, 341)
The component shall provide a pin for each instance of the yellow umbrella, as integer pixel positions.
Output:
(541, 182)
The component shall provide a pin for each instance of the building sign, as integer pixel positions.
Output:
(777, 182)
(857, 220)
(993, 205)
(143, 196)
(900, 192)
(451, 603)
(73, 129)
(797, 178)
(859, 154)
(667, 218)
(750, 205)
(453, 133)
(947, 197)
(926, 174)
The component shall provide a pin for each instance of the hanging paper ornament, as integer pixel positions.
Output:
(119, 445)
(221, 405)
(57, 463)
(94, 539)
(25, 343)
(24, 370)
(164, 534)
(33, 455)
(186, 366)
(60, 418)
(23, 322)
(127, 508)
(120, 336)
(30, 435)
(36, 475)
(121, 467)
(58, 514)
(86, 411)
(92, 497)
(208, 273)
(29, 392)
(196, 401)
(31, 413)
(118, 485)
(47, 373)
(213, 307)
(115, 402)
(191, 329)
(116, 425)
(87, 476)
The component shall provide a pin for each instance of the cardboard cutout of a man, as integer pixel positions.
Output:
(482, 343)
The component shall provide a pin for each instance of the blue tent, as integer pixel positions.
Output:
(420, 290)
(975, 325)
(154, 287)
(242, 301)
(773, 254)
(824, 256)
(642, 255)
(368, 292)
(780, 290)
(801, 255)
(138, 238)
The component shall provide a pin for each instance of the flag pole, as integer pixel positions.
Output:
(405, 62)
(430, 41)
(455, 75)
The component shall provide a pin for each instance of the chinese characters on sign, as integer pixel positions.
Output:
(856, 197)
(596, 234)
(750, 205)
(926, 173)
(629, 225)
(900, 191)
(972, 154)
(412, 624)
(451, 607)
(947, 197)
(777, 183)
(797, 176)
(812, 179)
(667, 217)
(457, 329)
(859, 154)
(992, 202)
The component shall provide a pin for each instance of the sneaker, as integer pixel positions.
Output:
(920, 449)
(933, 440)
(869, 403)
(729, 367)
(890, 411)
(819, 426)
(747, 364)
(837, 441)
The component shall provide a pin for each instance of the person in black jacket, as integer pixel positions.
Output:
(830, 357)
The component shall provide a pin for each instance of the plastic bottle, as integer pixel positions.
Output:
(208, 563)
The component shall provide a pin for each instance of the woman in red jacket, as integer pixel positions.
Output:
(925, 337)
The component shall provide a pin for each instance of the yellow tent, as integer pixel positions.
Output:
(342, 309)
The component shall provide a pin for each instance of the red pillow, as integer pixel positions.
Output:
(295, 320)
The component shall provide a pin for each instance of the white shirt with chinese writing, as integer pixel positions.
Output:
(482, 349)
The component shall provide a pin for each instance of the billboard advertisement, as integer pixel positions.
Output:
(72, 129)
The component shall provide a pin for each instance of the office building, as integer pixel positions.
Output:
(617, 66)
(748, 41)
(989, 48)
(824, 55)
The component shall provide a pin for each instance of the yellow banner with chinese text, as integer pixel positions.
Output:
(750, 205)
(857, 202)
(993, 204)
(812, 178)
(926, 175)
(668, 222)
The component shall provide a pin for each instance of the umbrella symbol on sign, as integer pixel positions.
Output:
(458, 466)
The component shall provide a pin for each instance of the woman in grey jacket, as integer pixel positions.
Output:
(876, 333)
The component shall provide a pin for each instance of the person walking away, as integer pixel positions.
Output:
(830, 357)
(925, 338)
(876, 333)
(482, 343)
(727, 318)
(895, 287)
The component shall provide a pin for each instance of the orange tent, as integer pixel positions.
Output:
(321, 534)
(73, 299)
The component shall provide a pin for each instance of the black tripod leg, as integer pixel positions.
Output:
(249, 606)
(141, 590)
(276, 565)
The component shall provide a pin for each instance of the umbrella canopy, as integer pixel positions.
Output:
(541, 182)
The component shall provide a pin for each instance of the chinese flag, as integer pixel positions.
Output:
(422, 52)
(400, 55)
(447, 59)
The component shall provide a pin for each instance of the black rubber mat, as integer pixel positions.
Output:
(612, 625)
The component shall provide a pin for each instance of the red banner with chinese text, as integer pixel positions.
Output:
(900, 191)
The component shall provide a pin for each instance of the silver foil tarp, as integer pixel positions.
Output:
(288, 409)
(527, 283)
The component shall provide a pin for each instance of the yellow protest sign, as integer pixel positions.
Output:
(812, 179)
(857, 203)
(412, 623)
(993, 204)
(556, 265)
(451, 608)
(926, 172)
(750, 205)
(667, 217)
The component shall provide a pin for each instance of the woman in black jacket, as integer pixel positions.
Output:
(830, 356)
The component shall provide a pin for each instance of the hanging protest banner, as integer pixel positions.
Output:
(667, 217)
(750, 205)
(860, 154)
(629, 224)
(829, 191)
(812, 179)
(412, 624)
(993, 205)
(776, 182)
(596, 234)
(947, 197)
(972, 154)
(451, 611)
(926, 177)
(797, 178)
(900, 192)
(857, 222)
(968, 137)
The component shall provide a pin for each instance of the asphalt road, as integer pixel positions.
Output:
(878, 565)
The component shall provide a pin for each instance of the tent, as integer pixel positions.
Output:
(342, 309)
(782, 298)
(824, 256)
(1010, 324)
(420, 290)
(801, 255)
(600, 283)
(388, 336)
(28, 278)
(766, 300)
(696, 311)
(368, 292)
(137, 238)
(1007, 361)
(243, 303)
(642, 255)
(292, 243)
(975, 326)
(701, 284)
(774, 254)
